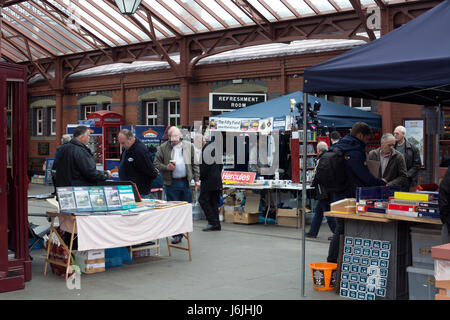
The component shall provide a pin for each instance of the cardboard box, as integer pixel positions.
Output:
(228, 214)
(442, 284)
(89, 266)
(288, 217)
(252, 202)
(441, 297)
(344, 206)
(246, 217)
(141, 253)
(91, 254)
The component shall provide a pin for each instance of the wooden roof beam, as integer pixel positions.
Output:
(356, 4)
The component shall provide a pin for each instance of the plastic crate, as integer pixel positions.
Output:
(423, 237)
(115, 257)
(421, 283)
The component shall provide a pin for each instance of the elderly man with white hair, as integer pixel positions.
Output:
(411, 155)
(175, 159)
(392, 164)
(322, 201)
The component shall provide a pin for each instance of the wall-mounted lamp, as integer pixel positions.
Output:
(128, 6)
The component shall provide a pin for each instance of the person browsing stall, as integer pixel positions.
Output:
(76, 164)
(392, 164)
(175, 159)
(322, 201)
(353, 146)
(411, 154)
(135, 163)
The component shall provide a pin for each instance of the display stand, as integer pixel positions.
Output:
(15, 264)
(385, 227)
(73, 222)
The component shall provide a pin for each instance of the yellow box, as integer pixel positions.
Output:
(412, 196)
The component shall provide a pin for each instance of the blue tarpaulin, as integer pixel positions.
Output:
(410, 64)
(331, 114)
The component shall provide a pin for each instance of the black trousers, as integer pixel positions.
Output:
(209, 202)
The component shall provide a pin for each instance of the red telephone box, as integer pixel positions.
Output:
(111, 122)
(15, 264)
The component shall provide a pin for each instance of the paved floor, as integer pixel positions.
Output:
(241, 262)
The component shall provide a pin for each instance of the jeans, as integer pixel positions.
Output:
(179, 190)
(321, 206)
(333, 250)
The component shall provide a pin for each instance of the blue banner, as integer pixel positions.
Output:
(149, 134)
(113, 166)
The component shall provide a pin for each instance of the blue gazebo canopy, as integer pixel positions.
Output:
(331, 114)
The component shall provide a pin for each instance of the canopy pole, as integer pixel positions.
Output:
(438, 133)
(305, 140)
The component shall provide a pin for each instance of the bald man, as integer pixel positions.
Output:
(175, 159)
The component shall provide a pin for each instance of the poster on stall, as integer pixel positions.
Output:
(264, 126)
(148, 134)
(113, 166)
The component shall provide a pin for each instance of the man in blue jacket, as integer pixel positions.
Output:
(135, 163)
(353, 146)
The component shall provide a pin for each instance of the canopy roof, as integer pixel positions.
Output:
(331, 114)
(410, 64)
(37, 29)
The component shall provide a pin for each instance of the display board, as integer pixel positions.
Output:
(364, 270)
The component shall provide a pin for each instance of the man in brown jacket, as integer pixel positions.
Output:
(175, 160)
(392, 164)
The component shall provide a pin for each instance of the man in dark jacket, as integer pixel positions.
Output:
(353, 146)
(411, 155)
(135, 163)
(76, 164)
(210, 187)
(444, 207)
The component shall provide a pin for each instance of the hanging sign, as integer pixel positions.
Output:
(263, 126)
(233, 101)
(235, 177)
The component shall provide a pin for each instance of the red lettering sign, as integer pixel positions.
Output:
(229, 177)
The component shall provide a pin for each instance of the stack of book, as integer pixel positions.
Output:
(374, 199)
(408, 203)
(430, 209)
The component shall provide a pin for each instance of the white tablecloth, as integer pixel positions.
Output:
(113, 231)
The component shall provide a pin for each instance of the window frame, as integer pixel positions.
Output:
(176, 116)
(153, 117)
(39, 120)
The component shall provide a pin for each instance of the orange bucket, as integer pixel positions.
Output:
(323, 275)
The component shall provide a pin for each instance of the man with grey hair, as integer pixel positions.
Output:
(322, 200)
(411, 154)
(76, 164)
(392, 164)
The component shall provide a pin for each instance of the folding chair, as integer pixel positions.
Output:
(37, 233)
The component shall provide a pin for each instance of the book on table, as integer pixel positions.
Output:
(82, 198)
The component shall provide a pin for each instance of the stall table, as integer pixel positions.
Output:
(384, 227)
(114, 231)
(291, 187)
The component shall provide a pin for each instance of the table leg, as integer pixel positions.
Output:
(168, 247)
(189, 245)
(49, 244)
(69, 258)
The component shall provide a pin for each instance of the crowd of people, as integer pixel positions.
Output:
(176, 162)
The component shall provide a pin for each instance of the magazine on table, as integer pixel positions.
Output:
(82, 198)
(66, 199)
